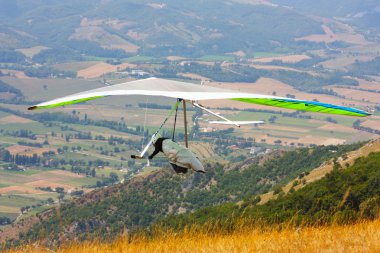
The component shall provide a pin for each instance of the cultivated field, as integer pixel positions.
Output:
(16, 185)
(75, 66)
(374, 124)
(14, 119)
(343, 61)
(273, 67)
(329, 36)
(31, 51)
(354, 94)
(102, 68)
(35, 89)
(15, 73)
(285, 58)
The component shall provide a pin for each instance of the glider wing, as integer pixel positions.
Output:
(194, 92)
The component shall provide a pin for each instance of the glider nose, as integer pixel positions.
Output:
(198, 166)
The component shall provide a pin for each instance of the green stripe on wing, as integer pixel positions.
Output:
(304, 105)
(70, 102)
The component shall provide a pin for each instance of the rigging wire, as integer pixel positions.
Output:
(144, 126)
(175, 121)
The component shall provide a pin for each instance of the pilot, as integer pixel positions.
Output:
(180, 157)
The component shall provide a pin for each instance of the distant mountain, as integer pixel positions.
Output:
(365, 13)
(156, 28)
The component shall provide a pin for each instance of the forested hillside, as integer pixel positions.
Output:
(343, 196)
(141, 201)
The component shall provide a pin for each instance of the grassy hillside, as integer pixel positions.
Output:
(361, 237)
(329, 215)
(143, 200)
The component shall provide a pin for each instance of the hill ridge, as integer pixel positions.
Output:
(325, 168)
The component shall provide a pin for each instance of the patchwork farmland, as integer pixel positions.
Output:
(93, 150)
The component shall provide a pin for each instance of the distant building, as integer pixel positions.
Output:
(14, 167)
(233, 147)
(139, 73)
(256, 150)
(207, 129)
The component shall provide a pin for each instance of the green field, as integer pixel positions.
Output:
(244, 115)
(3, 114)
(331, 134)
(217, 58)
(138, 59)
(17, 201)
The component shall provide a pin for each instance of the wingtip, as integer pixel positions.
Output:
(32, 108)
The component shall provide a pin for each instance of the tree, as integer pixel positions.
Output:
(61, 196)
(272, 119)
(114, 177)
(60, 190)
(4, 220)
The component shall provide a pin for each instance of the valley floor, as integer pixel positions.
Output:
(360, 237)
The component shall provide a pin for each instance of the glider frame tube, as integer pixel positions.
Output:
(174, 108)
(215, 114)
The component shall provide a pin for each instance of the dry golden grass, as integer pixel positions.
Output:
(361, 237)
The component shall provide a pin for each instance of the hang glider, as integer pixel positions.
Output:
(187, 92)
(193, 92)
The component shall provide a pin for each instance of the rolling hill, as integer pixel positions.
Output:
(365, 13)
(165, 28)
(143, 200)
(343, 196)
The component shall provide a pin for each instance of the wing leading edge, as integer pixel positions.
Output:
(193, 92)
